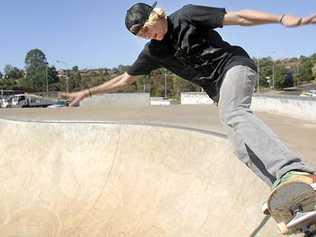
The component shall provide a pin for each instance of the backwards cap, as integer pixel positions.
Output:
(137, 15)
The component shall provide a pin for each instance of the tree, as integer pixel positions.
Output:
(7, 70)
(75, 79)
(36, 69)
(306, 67)
(266, 71)
(314, 71)
(52, 75)
(280, 76)
(35, 58)
(1, 75)
(12, 72)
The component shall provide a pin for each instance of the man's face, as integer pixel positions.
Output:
(156, 31)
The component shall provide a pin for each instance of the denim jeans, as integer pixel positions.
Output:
(255, 144)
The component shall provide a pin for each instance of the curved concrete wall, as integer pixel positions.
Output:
(97, 179)
(292, 106)
(192, 98)
(117, 99)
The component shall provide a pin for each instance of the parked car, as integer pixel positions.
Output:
(58, 104)
(19, 101)
(310, 93)
(26, 100)
(4, 102)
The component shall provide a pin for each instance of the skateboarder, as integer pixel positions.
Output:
(187, 44)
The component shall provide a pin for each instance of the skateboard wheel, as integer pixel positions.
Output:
(265, 209)
(283, 228)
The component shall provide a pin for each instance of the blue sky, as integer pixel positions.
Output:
(92, 33)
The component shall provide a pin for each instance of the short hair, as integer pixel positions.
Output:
(155, 15)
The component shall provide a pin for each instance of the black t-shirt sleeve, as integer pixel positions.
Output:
(208, 17)
(143, 65)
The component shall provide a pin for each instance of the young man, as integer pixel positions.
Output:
(186, 43)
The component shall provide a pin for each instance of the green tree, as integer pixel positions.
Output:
(35, 58)
(52, 75)
(7, 84)
(266, 71)
(1, 75)
(12, 72)
(313, 58)
(25, 84)
(280, 75)
(36, 69)
(306, 67)
(314, 71)
(75, 80)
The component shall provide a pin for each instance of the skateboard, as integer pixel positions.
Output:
(292, 206)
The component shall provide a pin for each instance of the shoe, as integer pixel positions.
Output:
(295, 176)
(292, 176)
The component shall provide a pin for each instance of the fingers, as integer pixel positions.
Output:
(74, 103)
(73, 98)
(69, 97)
(62, 95)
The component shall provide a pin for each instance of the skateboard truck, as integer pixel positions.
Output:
(302, 218)
(292, 206)
(265, 209)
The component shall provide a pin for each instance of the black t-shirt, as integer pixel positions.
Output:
(193, 50)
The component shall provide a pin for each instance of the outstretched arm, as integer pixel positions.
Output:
(252, 18)
(113, 85)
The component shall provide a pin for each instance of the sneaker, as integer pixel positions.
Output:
(294, 176)
(291, 176)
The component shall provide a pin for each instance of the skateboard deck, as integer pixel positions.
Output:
(292, 206)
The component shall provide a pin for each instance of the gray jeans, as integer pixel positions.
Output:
(255, 144)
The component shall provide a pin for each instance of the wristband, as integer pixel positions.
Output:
(90, 93)
(281, 19)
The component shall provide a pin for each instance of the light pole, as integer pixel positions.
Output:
(258, 66)
(46, 73)
(298, 74)
(273, 69)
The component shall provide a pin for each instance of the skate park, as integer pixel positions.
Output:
(138, 170)
(110, 124)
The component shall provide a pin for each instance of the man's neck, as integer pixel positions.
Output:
(165, 25)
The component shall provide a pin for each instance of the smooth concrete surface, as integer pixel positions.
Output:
(94, 179)
(122, 179)
(117, 99)
(195, 98)
(292, 106)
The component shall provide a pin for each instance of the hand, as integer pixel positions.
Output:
(75, 97)
(291, 21)
(309, 20)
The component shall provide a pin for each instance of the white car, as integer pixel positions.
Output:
(3, 103)
(17, 101)
(311, 93)
(22, 101)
